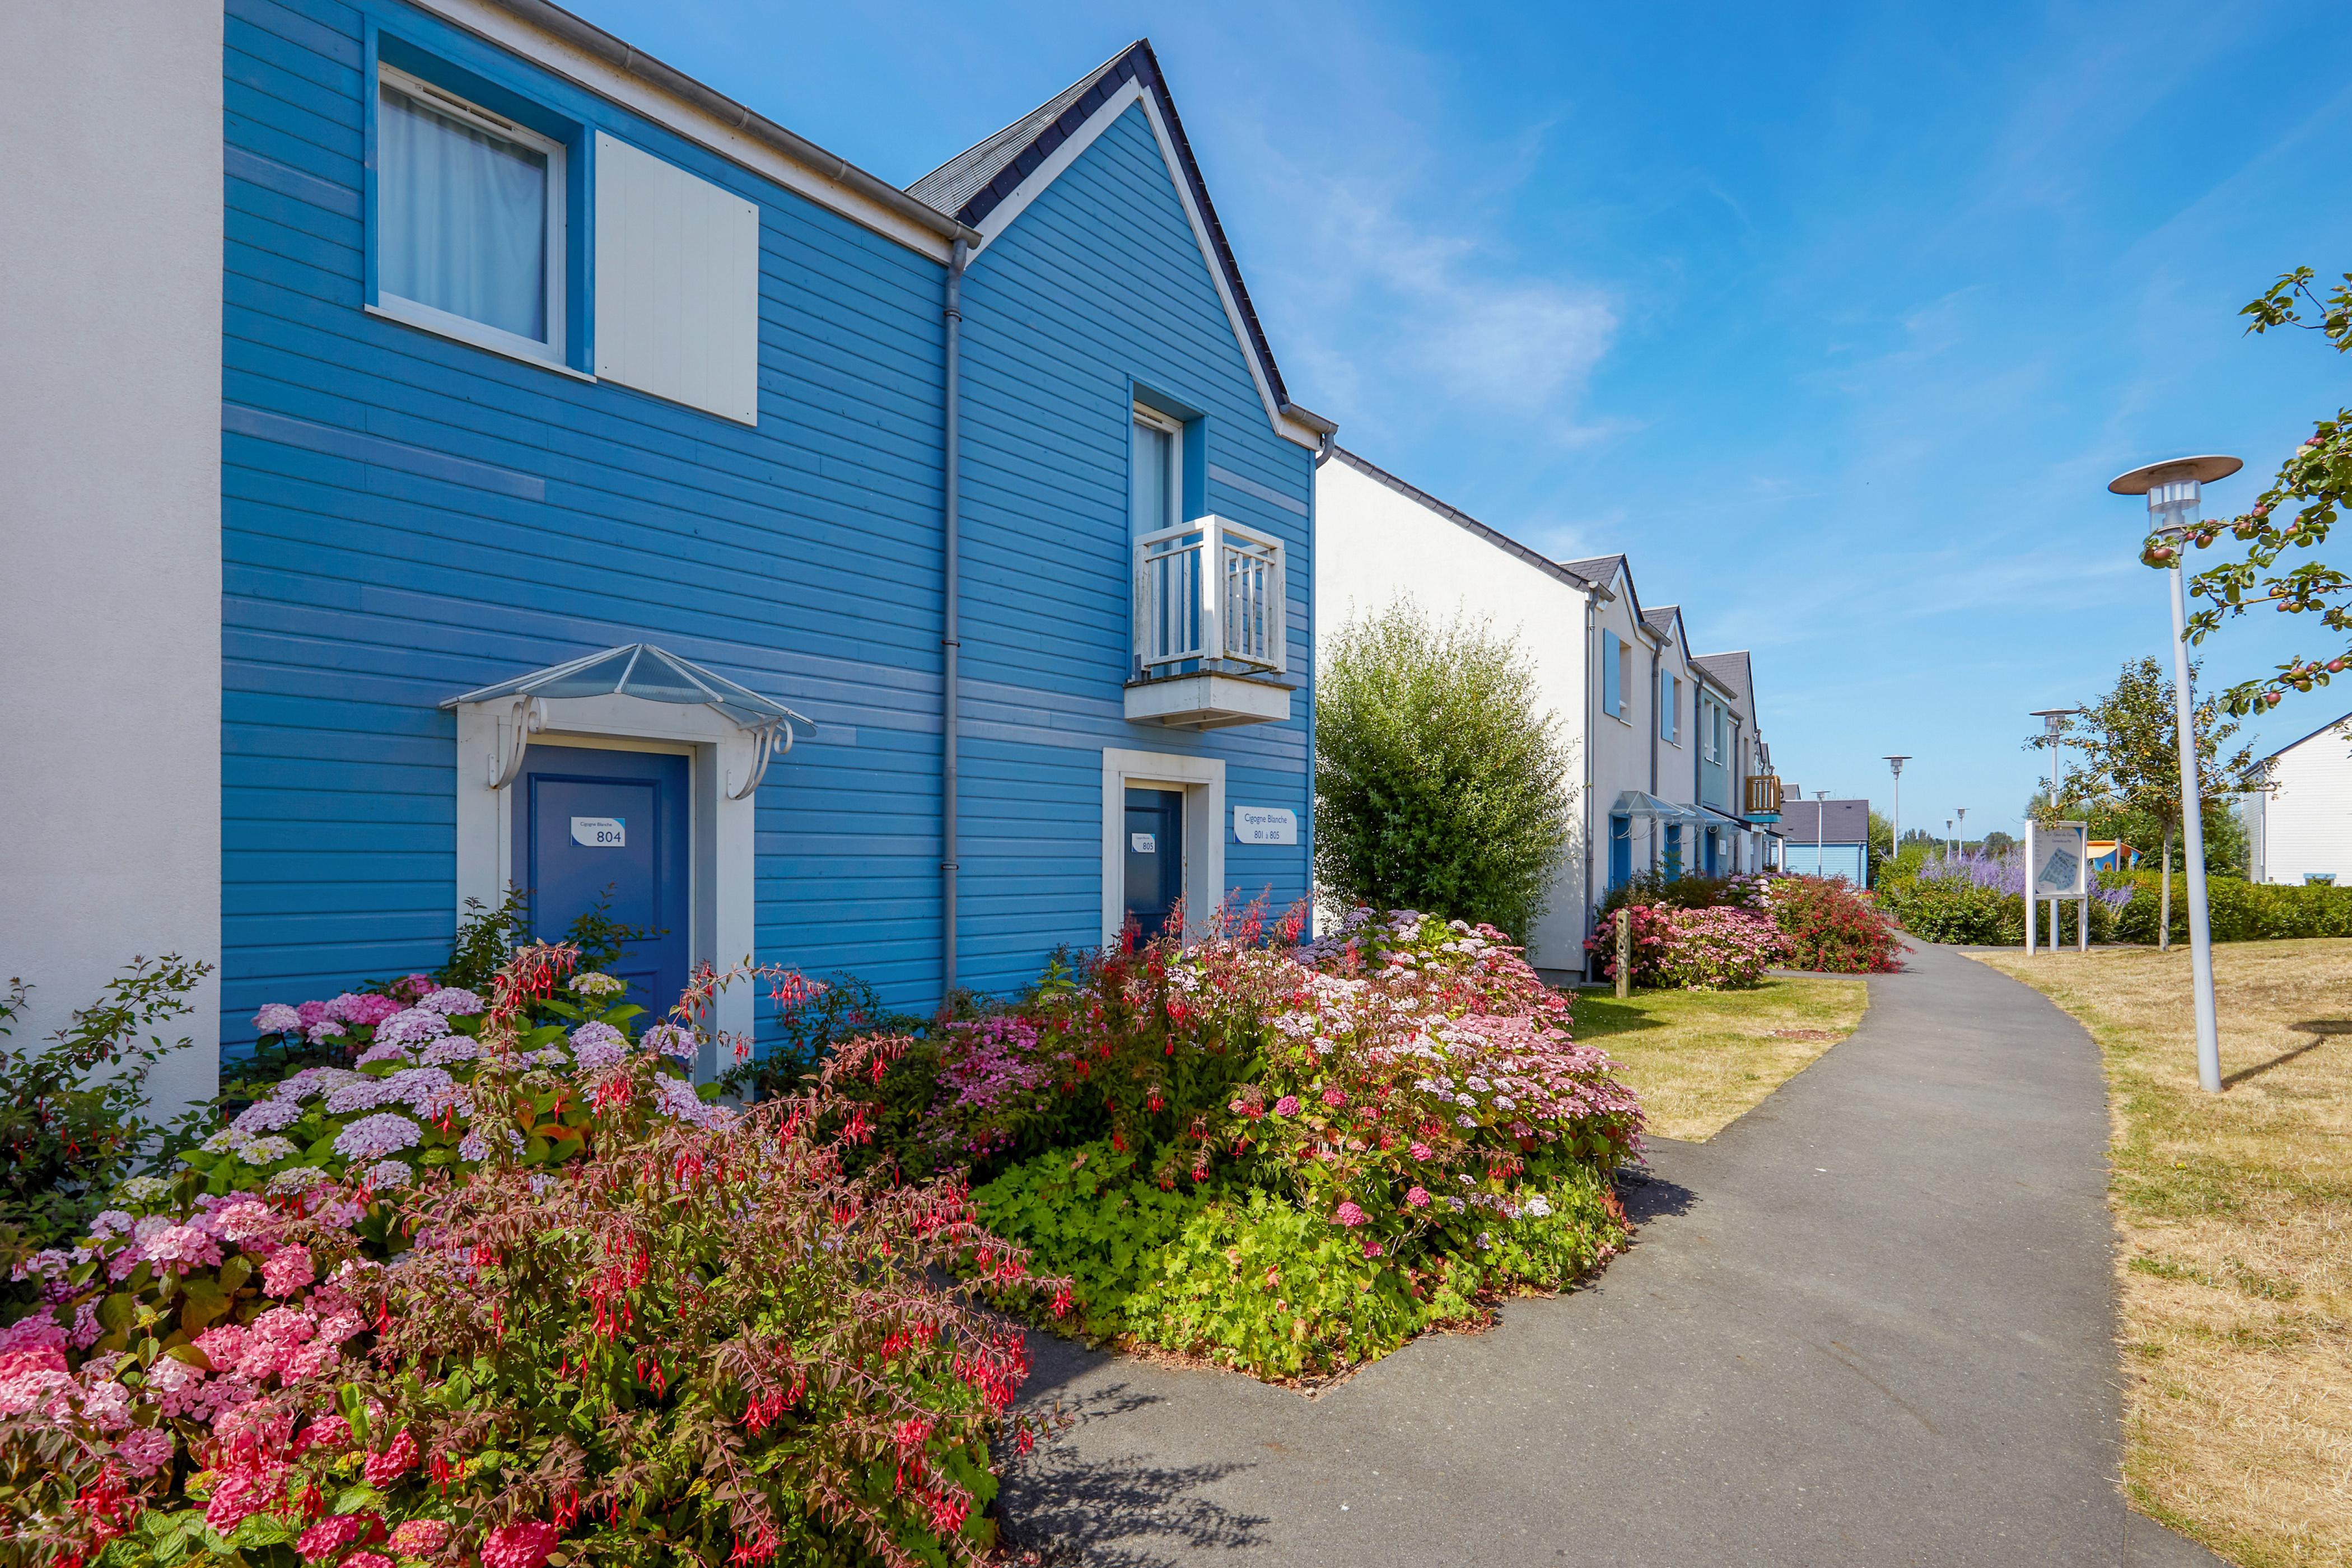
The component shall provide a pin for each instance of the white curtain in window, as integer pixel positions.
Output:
(1155, 478)
(463, 218)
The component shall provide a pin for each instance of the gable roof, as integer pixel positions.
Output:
(985, 177)
(1597, 569)
(1666, 621)
(1729, 671)
(2324, 728)
(1842, 821)
(1462, 519)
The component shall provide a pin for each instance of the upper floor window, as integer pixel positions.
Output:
(1710, 730)
(1616, 678)
(469, 213)
(1158, 479)
(1670, 706)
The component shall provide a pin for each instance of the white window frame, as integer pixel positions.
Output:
(1707, 711)
(464, 329)
(1202, 780)
(1174, 430)
(1670, 694)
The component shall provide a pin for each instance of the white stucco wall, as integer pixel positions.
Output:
(1374, 545)
(110, 420)
(2307, 822)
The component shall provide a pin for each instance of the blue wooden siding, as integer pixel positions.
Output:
(1833, 860)
(406, 518)
(1097, 290)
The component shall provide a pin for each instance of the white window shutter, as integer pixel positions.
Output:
(678, 284)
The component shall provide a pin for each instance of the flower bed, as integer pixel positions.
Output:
(505, 1286)
(1713, 932)
(1285, 1159)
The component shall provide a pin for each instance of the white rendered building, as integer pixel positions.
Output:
(1664, 740)
(2301, 830)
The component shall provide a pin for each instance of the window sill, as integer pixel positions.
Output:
(456, 329)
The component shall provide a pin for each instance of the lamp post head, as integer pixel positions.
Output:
(1896, 764)
(2173, 490)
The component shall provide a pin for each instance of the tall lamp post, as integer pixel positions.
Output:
(1962, 812)
(1820, 811)
(2174, 494)
(1895, 827)
(1948, 838)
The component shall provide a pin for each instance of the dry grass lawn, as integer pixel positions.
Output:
(2236, 1214)
(1701, 1058)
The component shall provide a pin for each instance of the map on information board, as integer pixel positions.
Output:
(2061, 860)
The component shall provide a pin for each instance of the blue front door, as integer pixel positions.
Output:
(1621, 850)
(609, 827)
(1155, 858)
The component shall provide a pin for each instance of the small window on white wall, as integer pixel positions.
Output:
(469, 221)
(678, 284)
(1157, 499)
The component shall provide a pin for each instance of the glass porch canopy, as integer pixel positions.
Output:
(1641, 803)
(657, 675)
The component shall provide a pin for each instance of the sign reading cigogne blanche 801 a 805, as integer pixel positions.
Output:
(1266, 825)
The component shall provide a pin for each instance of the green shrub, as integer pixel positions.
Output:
(1248, 1278)
(73, 1111)
(1441, 782)
(2240, 910)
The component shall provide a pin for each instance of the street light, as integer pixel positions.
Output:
(2174, 494)
(1963, 812)
(1895, 827)
(1948, 840)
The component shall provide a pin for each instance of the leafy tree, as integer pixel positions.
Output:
(2315, 480)
(2128, 764)
(1999, 843)
(1882, 846)
(1441, 779)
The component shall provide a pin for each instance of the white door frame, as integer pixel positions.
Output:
(722, 929)
(1202, 780)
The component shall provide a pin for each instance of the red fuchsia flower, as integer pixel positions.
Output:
(1350, 1215)
(1417, 1198)
(392, 1461)
(524, 1545)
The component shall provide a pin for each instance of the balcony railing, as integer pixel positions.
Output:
(1209, 595)
(1763, 797)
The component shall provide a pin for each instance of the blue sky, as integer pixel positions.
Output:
(1836, 319)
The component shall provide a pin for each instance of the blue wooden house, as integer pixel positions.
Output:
(619, 496)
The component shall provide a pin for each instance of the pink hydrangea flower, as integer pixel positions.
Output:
(181, 1244)
(276, 1018)
(366, 1009)
(524, 1545)
(418, 1537)
(334, 1532)
(237, 1497)
(1417, 1198)
(1422, 1150)
(310, 1013)
(1286, 1106)
(143, 1449)
(1350, 1215)
(289, 1269)
(1372, 1248)
(392, 1461)
(449, 1000)
(223, 1346)
(373, 1137)
(367, 1560)
(1333, 1097)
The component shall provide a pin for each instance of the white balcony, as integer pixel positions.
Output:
(1211, 627)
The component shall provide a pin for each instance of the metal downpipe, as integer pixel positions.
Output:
(951, 509)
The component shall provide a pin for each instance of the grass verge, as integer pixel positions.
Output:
(1700, 1059)
(2236, 1218)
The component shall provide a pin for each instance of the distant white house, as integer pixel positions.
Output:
(2301, 830)
(1670, 768)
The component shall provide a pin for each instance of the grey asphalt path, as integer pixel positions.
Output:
(1872, 1322)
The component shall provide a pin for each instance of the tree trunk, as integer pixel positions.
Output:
(2163, 900)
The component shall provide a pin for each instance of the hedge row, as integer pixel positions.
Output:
(2241, 911)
